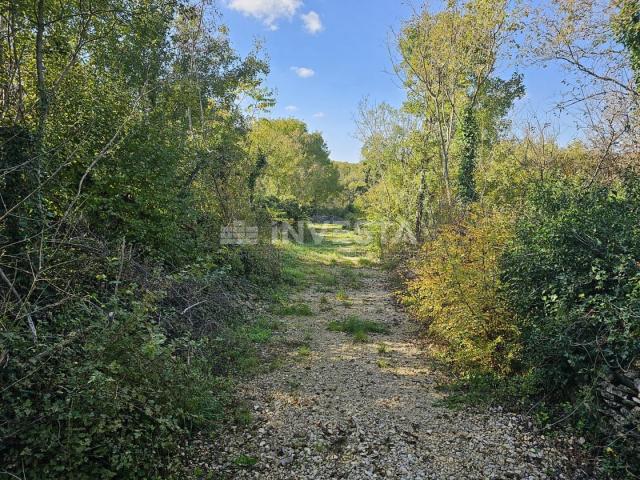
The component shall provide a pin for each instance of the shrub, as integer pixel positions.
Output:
(571, 274)
(455, 292)
(100, 396)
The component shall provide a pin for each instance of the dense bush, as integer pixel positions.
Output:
(100, 396)
(455, 291)
(572, 276)
(115, 382)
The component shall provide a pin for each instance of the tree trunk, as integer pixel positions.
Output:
(43, 104)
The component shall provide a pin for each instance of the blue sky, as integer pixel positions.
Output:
(327, 55)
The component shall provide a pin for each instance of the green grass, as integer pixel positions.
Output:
(304, 351)
(360, 337)
(261, 331)
(382, 348)
(342, 296)
(243, 416)
(292, 309)
(357, 327)
(365, 262)
(382, 363)
(245, 461)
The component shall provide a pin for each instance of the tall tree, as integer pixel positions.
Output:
(445, 58)
(298, 165)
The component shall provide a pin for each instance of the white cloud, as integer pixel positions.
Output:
(268, 11)
(318, 115)
(291, 108)
(303, 72)
(312, 22)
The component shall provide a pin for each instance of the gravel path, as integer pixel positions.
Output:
(346, 410)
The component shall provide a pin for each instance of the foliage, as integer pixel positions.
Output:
(120, 406)
(466, 176)
(298, 166)
(627, 26)
(446, 58)
(571, 276)
(123, 151)
(456, 293)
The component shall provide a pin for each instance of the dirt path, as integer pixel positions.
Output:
(338, 409)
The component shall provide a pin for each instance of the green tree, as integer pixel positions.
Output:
(445, 59)
(298, 165)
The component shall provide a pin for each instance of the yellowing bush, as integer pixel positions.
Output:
(455, 291)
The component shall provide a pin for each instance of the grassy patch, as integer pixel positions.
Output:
(382, 363)
(360, 337)
(293, 309)
(357, 327)
(365, 262)
(245, 461)
(261, 331)
(243, 416)
(304, 351)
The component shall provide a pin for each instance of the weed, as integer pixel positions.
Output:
(342, 296)
(293, 309)
(245, 461)
(353, 324)
(382, 348)
(304, 351)
(259, 333)
(382, 363)
(243, 416)
(360, 337)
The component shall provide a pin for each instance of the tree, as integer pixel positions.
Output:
(596, 43)
(298, 165)
(445, 59)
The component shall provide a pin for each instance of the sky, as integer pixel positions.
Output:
(326, 56)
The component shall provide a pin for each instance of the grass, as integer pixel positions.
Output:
(292, 309)
(324, 304)
(304, 351)
(245, 461)
(365, 262)
(360, 337)
(357, 327)
(382, 348)
(382, 363)
(243, 416)
(261, 331)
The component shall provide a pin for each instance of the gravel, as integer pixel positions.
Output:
(348, 411)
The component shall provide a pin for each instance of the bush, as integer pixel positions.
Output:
(116, 381)
(455, 292)
(99, 396)
(571, 274)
